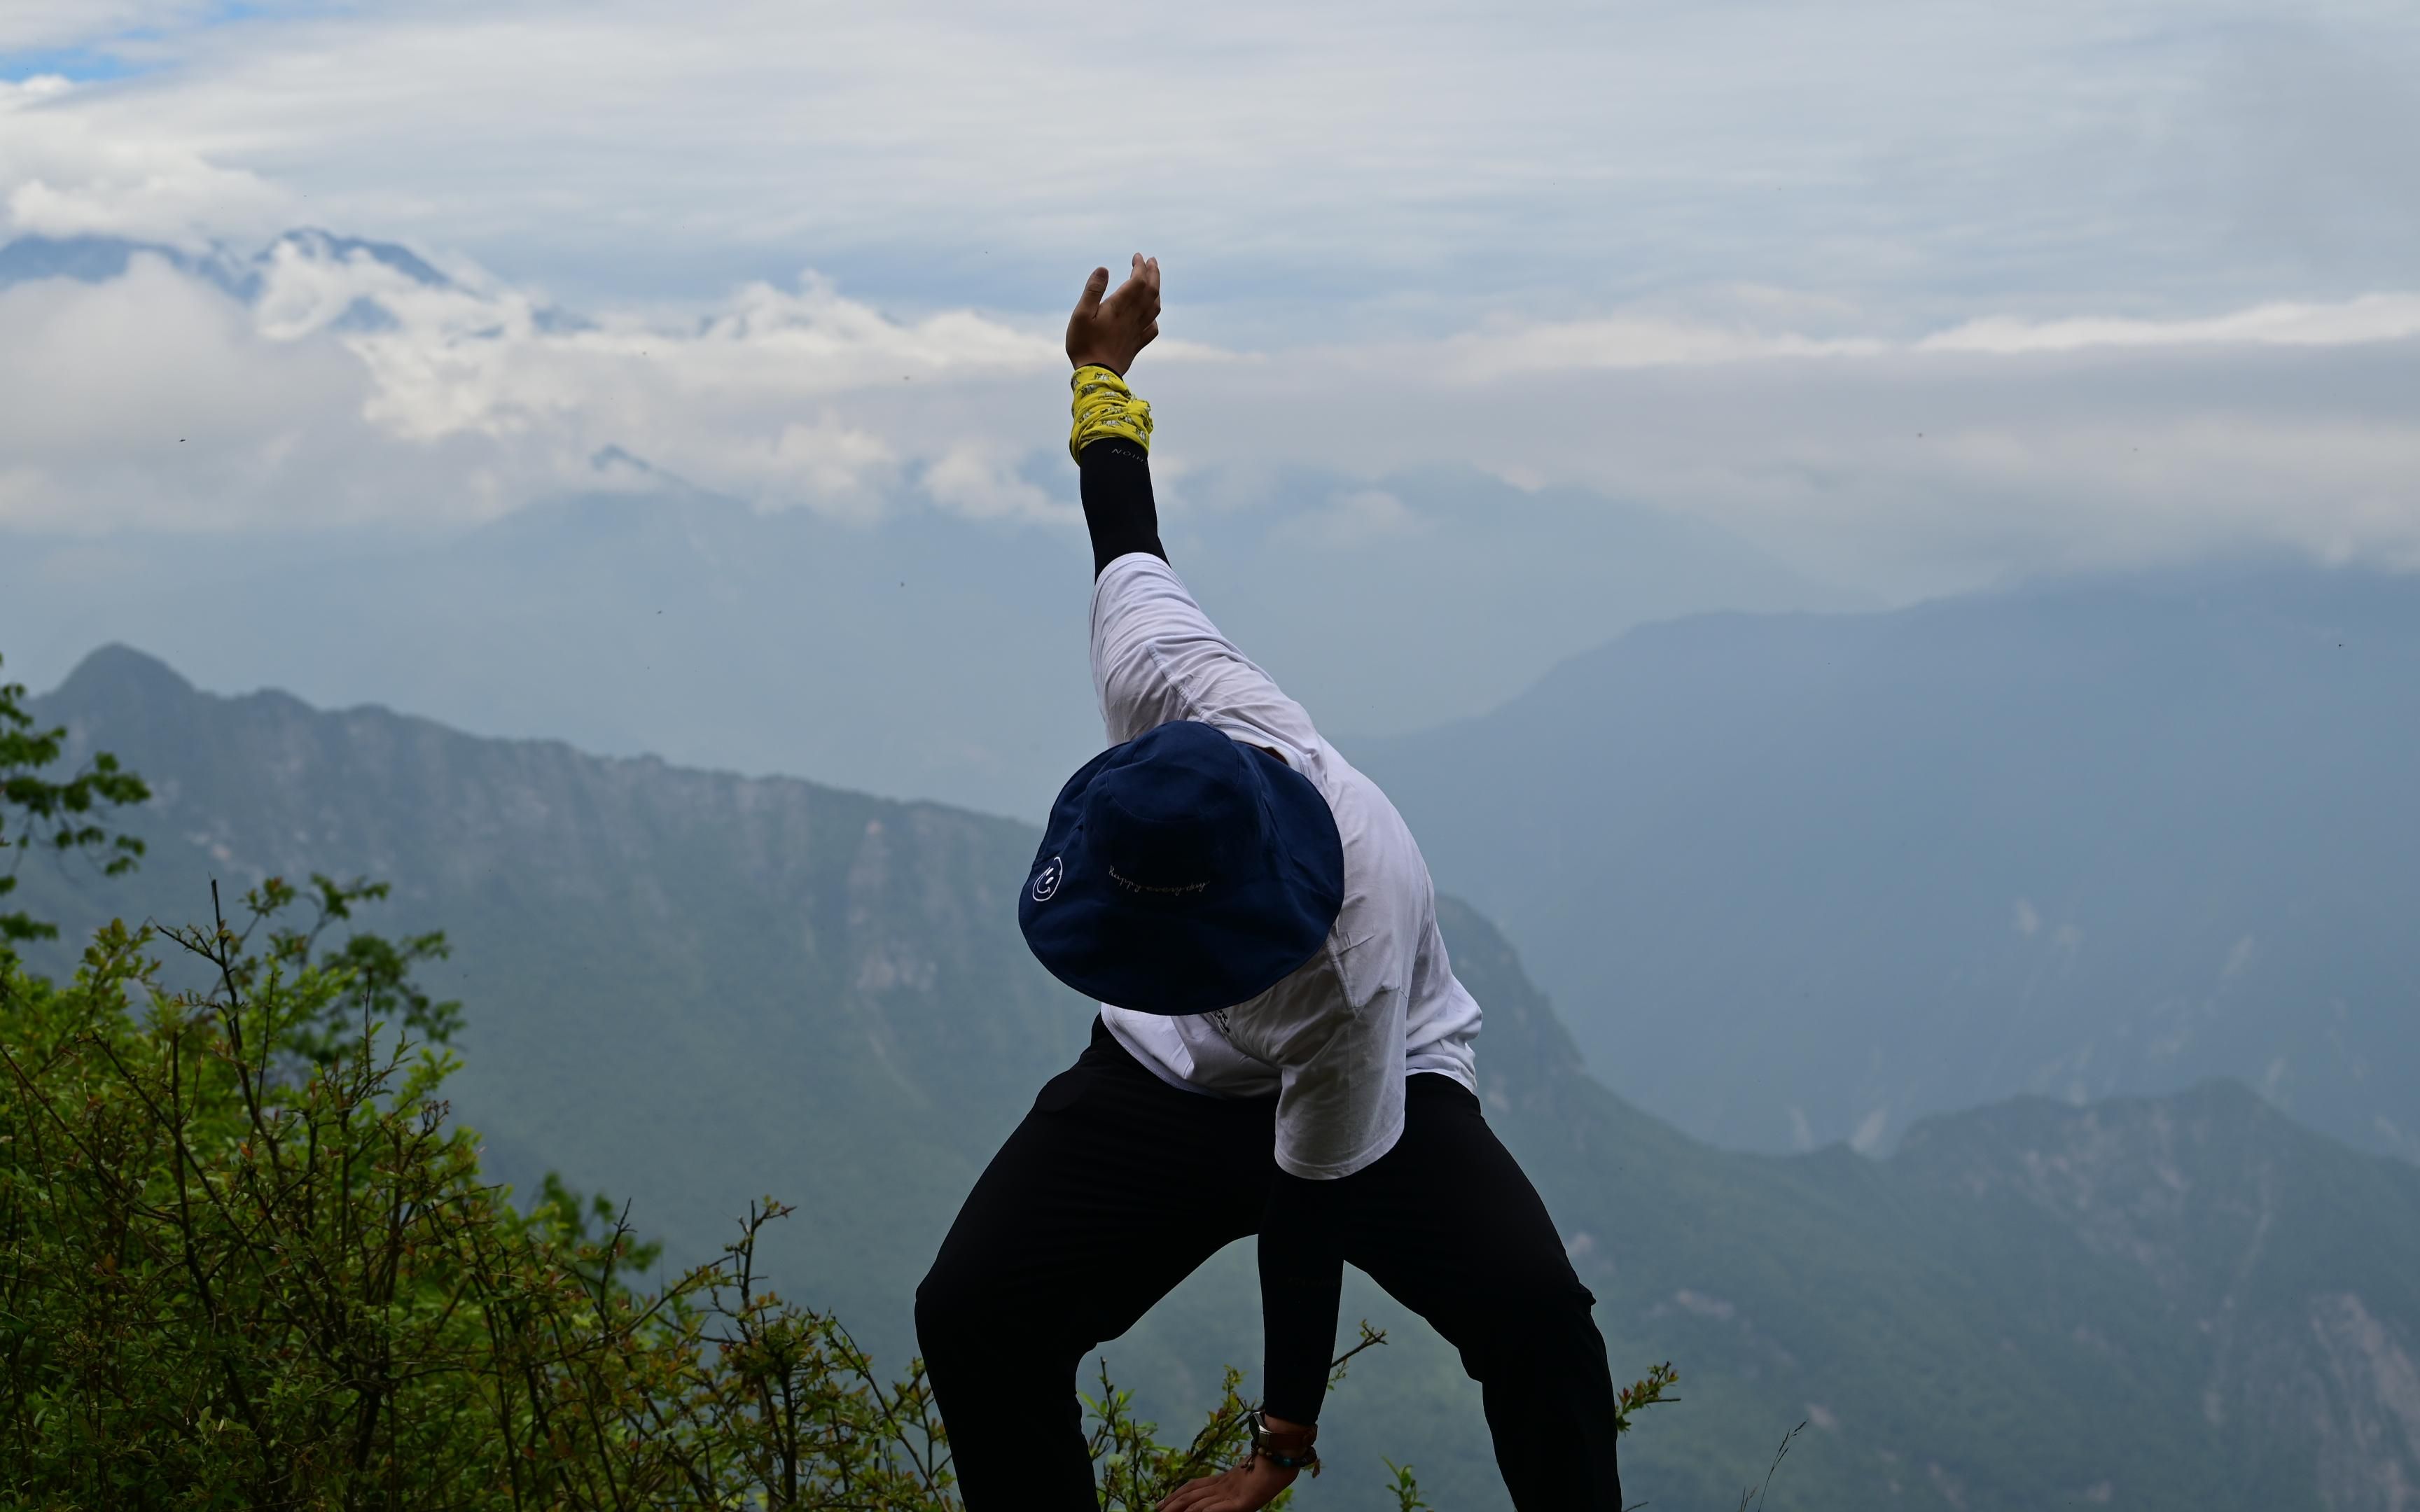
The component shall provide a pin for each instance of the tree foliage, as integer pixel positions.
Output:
(39, 812)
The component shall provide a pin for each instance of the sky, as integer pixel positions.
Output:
(1908, 298)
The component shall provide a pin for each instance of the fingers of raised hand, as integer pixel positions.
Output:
(1139, 294)
(1095, 287)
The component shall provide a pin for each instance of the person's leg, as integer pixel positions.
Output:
(1449, 1225)
(1112, 1190)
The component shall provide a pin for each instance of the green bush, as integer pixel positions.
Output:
(246, 1262)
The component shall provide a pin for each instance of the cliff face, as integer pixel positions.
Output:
(2289, 1268)
(694, 988)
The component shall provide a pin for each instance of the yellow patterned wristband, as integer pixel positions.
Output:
(1105, 407)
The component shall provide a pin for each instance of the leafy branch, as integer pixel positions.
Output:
(39, 814)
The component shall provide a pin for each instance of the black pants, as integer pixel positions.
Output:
(1117, 1186)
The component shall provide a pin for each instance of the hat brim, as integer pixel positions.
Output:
(1133, 952)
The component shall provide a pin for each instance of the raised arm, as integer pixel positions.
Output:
(1112, 435)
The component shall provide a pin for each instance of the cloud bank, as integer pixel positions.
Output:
(340, 388)
(1914, 297)
(1416, 162)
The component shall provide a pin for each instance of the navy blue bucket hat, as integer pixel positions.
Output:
(1183, 871)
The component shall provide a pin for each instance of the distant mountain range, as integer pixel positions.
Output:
(691, 988)
(1801, 878)
(94, 258)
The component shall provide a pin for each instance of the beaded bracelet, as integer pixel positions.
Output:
(1308, 1459)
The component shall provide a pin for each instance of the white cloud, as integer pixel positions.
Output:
(2367, 319)
(32, 89)
(980, 482)
(1509, 349)
(1353, 518)
(1630, 342)
(848, 466)
(154, 400)
(66, 174)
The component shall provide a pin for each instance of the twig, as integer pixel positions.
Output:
(1777, 1456)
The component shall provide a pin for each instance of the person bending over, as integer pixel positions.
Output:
(1281, 1049)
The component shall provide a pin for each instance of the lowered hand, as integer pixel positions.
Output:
(1247, 1488)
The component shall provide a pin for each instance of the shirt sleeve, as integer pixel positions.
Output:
(1156, 658)
(1302, 1282)
(1340, 1092)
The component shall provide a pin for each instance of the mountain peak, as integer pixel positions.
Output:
(119, 674)
(314, 242)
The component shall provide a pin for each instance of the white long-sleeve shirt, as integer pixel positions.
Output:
(1378, 1003)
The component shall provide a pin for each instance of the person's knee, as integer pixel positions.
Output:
(954, 1312)
(965, 1313)
(1548, 1330)
(1545, 1290)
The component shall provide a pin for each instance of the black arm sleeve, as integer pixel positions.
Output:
(1118, 507)
(1302, 1284)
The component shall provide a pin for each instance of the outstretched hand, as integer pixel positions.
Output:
(1108, 332)
(1247, 1487)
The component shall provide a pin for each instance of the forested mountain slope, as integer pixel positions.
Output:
(690, 988)
(1798, 878)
